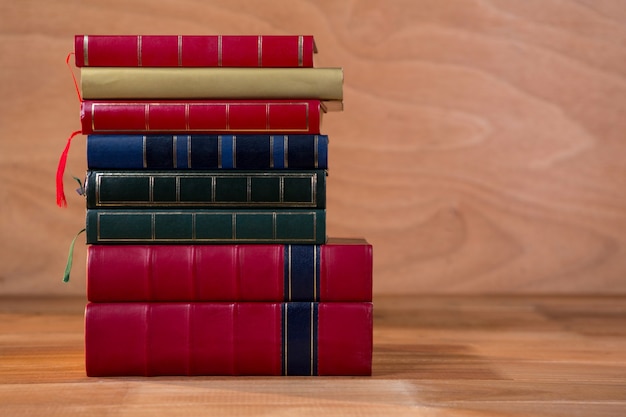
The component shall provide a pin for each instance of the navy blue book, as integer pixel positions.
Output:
(251, 152)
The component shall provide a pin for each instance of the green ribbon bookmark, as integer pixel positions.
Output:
(81, 189)
(70, 258)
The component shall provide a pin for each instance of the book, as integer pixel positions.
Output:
(187, 83)
(288, 226)
(194, 51)
(151, 339)
(202, 116)
(206, 189)
(248, 152)
(340, 270)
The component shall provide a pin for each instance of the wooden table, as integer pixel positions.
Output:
(434, 356)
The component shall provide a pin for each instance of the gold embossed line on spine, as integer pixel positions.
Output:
(234, 155)
(174, 146)
(289, 270)
(98, 180)
(177, 185)
(267, 116)
(315, 273)
(93, 116)
(286, 151)
(146, 115)
(249, 189)
(274, 225)
(139, 41)
(271, 151)
(315, 146)
(281, 185)
(300, 51)
(227, 105)
(144, 145)
(285, 339)
(188, 151)
(213, 186)
(306, 113)
(187, 116)
(219, 50)
(151, 189)
(180, 50)
(259, 48)
(85, 50)
(314, 188)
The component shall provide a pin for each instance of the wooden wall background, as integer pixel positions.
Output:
(482, 147)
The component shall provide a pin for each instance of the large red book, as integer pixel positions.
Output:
(194, 51)
(149, 339)
(202, 116)
(340, 270)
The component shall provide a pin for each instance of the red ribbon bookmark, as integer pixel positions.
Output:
(61, 201)
(67, 62)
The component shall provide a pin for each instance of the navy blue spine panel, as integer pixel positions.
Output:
(114, 152)
(300, 338)
(302, 272)
(204, 152)
(301, 153)
(253, 152)
(159, 152)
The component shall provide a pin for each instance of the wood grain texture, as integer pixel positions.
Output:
(433, 356)
(480, 151)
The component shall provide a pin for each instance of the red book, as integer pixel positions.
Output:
(149, 339)
(202, 117)
(340, 270)
(194, 51)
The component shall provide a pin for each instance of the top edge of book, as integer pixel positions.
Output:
(257, 51)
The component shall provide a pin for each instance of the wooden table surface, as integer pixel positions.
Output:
(433, 356)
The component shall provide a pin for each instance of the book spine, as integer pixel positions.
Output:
(331, 272)
(194, 51)
(201, 117)
(104, 83)
(204, 152)
(297, 226)
(206, 189)
(150, 339)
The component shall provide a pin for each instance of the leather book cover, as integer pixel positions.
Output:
(202, 116)
(194, 226)
(187, 83)
(340, 270)
(151, 339)
(206, 189)
(194, 51)
(205, 152)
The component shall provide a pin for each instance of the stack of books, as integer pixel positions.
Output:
(206, 211)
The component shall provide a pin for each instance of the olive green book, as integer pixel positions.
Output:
(204, 226)
(211, 83)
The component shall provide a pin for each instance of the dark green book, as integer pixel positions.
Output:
(206, 189)
(191, 226)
